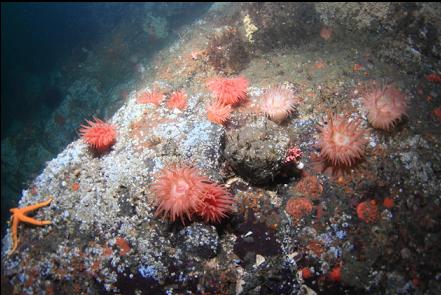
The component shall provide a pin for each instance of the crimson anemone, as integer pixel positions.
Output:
(218, 113)
(98, 134)
(229, 90)
(216, 203)
(178, 192)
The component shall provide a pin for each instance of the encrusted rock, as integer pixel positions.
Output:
(199, 240)
(278, 24)
(256, 151)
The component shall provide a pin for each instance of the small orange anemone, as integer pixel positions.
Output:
(178, 100)
(310, 187)
(368, 211)
(218, 113)
(297, 208)
(326, 33)
(437, 113)
(306, 273)
(154, 97)
(335, 274)
(388, 202)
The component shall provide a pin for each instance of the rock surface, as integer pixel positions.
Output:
(256, 151)
(105, 237)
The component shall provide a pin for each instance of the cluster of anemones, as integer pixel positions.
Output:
(227, 92)
(342, 142)
(178, 99)
(181, 191)
(277, 102)
(98, 134)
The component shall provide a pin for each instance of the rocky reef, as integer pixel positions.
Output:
(370, 229)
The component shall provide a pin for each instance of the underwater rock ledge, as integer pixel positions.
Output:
(370, 228)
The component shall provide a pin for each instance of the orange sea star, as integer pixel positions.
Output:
(19, 215)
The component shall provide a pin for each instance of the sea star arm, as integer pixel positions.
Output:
(14, 234)
(30, 220)
(36, 206)
(18, 215)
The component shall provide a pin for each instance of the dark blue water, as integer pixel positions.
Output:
(35, 37)
(37, 42)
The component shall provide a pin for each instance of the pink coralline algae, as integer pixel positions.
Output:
(293, 156)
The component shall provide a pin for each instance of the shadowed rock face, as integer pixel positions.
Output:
(282, 24)
(52, 96)
(256, 151)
